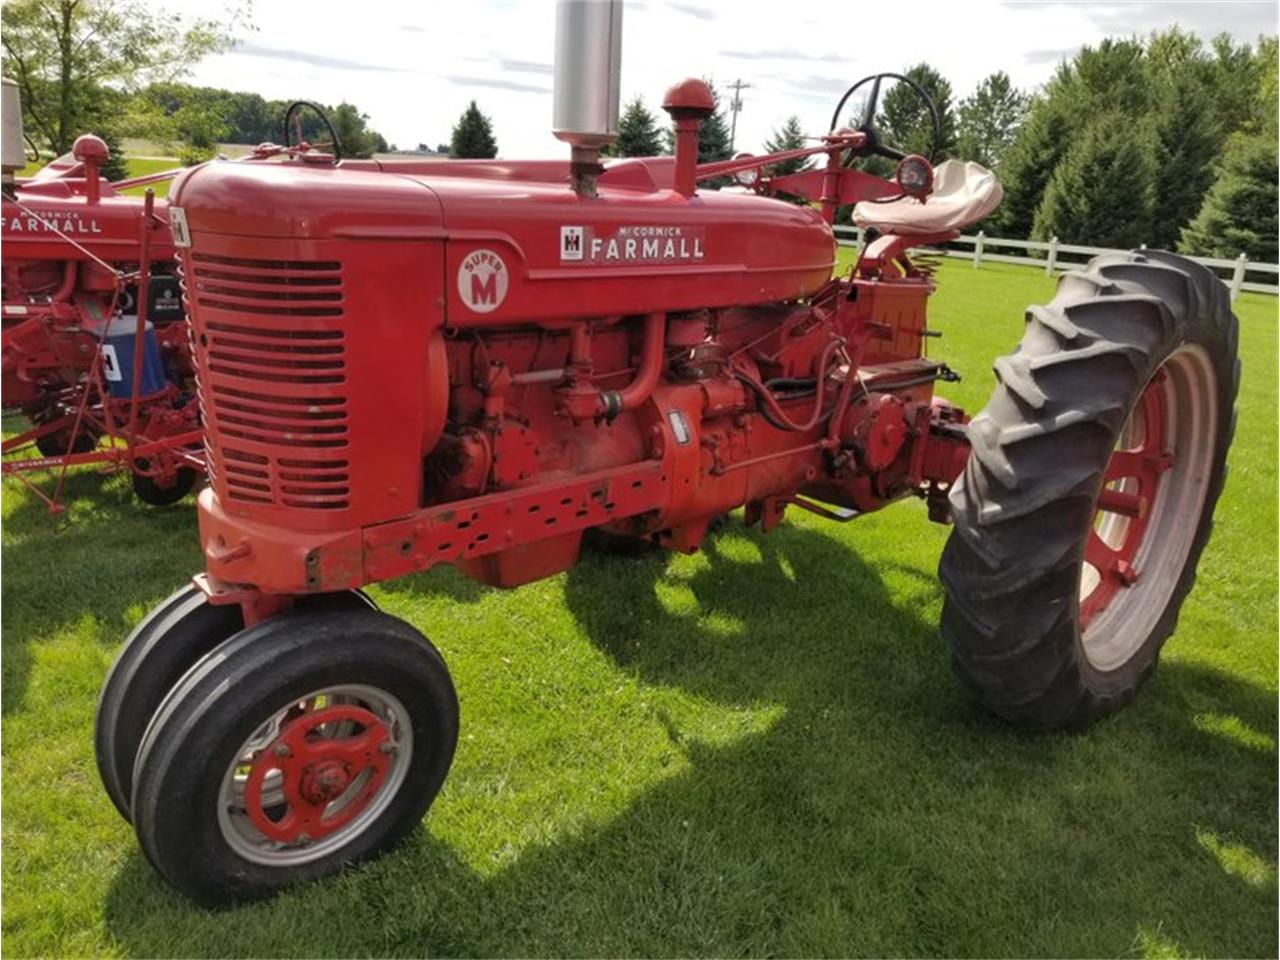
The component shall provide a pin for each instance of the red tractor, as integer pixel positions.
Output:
(405, 364)
(89, 275)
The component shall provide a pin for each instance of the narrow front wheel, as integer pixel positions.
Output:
(302, 744)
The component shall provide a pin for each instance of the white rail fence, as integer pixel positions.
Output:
(1064, 256)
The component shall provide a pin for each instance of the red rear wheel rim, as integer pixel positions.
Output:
(1130, 485)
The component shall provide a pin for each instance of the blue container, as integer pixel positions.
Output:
(117, 359)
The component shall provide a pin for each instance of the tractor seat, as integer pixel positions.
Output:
(963, 193)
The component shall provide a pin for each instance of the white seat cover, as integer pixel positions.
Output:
(963, 193)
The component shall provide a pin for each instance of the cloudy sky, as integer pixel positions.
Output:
(413, 66)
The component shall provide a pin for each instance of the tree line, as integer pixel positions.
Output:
(114, 67)
(1166, 141)
(202, 117)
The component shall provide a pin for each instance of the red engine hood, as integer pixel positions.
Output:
(635, 248)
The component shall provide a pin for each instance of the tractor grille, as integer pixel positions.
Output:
(273, 378)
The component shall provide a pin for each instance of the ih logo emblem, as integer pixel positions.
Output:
(570, 243)
(482, 281)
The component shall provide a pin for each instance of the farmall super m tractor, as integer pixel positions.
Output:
(476, 362)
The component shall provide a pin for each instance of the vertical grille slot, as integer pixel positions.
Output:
(273, 378)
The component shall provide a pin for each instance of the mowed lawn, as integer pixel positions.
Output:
(757, 750)
(136, 166)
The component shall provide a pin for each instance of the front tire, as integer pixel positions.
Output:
(155, 655)
(1090, 487)
(161, 648)
(304, 743)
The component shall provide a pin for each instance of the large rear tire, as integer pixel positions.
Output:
(1089, 491)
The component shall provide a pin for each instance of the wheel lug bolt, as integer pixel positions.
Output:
(281, 750)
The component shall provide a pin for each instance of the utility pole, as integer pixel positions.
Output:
(734, 106)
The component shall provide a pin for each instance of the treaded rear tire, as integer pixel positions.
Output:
(1026, 502)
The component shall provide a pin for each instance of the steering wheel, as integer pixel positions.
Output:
(293, 128)
(875, 145)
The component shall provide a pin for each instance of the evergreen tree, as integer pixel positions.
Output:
(638, 133)
(1112, 76)
(1101, 193)
(116, 167)
(988, 119)
(904, 121)
(1187, 132)
(1265, 115)
(1109, 78)
(1239, 211)
(789, 137)
(713, 135)
(473, 136)
(1237, 70)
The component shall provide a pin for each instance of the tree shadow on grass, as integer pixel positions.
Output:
(106, 558)
(878, 813)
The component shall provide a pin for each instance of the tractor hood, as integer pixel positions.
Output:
(636, 247)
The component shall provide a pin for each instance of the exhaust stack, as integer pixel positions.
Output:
(13, 154)
(588, 76)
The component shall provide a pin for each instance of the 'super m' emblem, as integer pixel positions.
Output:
(482, 280)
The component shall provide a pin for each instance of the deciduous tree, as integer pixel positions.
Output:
(988, 119)
(73, 58)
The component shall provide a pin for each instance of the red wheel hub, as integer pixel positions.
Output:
(1129, 488)
(315, 768)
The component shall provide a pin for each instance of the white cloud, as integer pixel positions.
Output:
(413, 67)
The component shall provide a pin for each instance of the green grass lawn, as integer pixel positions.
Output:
(757, 750)
(137, 167)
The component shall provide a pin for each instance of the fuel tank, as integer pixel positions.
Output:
(521, 246)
